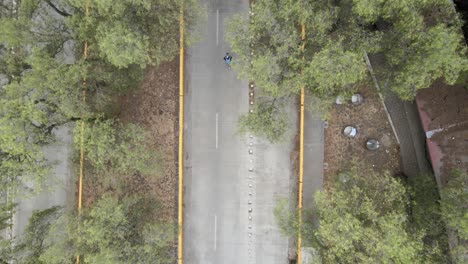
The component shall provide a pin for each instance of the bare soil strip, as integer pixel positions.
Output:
(155, 107)
(370, 120)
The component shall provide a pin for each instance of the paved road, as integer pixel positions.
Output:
(59, 188)
(218, 184)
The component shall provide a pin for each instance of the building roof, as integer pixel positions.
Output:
(443, 110)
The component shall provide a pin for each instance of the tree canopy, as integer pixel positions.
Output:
(114, 230)
(44, 78)
(42, 74)
(372, 218)
(417, 42)
(420, 40)
(131, 32)
(425, 214)
(119, 148)
(363, 219)
(453, 203)
(266, 120)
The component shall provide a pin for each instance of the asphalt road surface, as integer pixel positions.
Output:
(229, 194)
(59, 187)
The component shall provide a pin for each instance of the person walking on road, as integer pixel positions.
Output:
(227, 59)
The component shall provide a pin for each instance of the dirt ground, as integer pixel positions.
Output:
(370, 121)
(155, 106)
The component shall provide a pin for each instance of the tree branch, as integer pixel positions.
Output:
(63, 13)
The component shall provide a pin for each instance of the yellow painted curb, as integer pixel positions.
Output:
(181, 137)
(301, 160)
(80, 179)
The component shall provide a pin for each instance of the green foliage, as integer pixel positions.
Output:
(426, 216)
(122, 46)
(34, 23)
(5, 251)
(48, 95)
(420, 40)
(111, 238)
(7, 209)
(286, 219)
(21, 157)
(463, 79)
(32, 244)
(105, 224)
(266, 120)
(13, 63)
(61, 242)
(44, 86)
(363, 219)
(273, 61)
(111, 145)
(13, 32)
(54, 85)
(433, 55)
(454, 207)
(237, 28)
(44, 96)
(107, 79)
(334, 71)
(131, 32)
(373, 218)
(111, 231)
(459, 253)
(31, 106)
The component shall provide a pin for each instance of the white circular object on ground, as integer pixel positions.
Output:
(339, 100)
(356, 99)
(350, 131)
(372, 144)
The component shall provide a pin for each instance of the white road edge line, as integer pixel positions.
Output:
(217, 130)
(217, 27)
(215, 231)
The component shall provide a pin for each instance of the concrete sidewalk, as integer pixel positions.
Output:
(313, 155)
(410, 133)
(407, 125)
(58, 188)
(313, 167)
